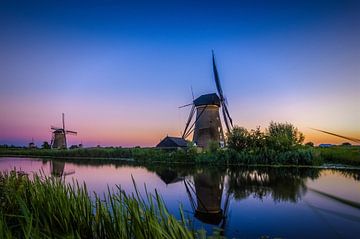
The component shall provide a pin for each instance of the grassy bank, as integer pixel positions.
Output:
(300, 155)
(46, 208)
(349, 155)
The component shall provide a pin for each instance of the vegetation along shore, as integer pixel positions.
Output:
(279, 144)
(48, 208)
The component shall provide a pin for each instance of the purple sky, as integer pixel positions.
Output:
(119, 71)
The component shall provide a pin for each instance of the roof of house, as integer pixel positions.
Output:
(169, 142)
(208, 99)
(169, 176)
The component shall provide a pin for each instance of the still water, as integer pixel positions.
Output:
(246, 202)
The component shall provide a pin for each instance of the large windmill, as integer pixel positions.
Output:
(207, 124)
(58, 139)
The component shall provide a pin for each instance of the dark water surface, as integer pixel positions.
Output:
(247, 202)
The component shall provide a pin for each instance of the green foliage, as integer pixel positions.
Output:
(213, 146)
(279, 144)
(238, 138)
(46, 208)
(309, 144)
(45, 145)
(339, 154)
(283, 136)
(346, 144)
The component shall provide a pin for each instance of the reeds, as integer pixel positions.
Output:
(48, 208)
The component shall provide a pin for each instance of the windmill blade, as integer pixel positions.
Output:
(185, 105)
(338, 135)
(226, 120)
(71, 132)
(188, 121)
(217, 79)
(69, 173)
(338, 199)
(197, 118)
(63, 120)
(227, 113)
(192, 93)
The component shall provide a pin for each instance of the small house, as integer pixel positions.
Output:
(172, 142)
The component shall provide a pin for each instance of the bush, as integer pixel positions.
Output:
(238, 138)
(283, 136)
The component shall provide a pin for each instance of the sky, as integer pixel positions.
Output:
(119, 70)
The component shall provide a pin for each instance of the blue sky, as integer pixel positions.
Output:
(119, 70)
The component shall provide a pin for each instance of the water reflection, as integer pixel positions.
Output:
(281, 184)
(57, 169)
(246, 202)
(210, 190)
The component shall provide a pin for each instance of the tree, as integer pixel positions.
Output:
(74, 146)
(45, 145)
(213, 146)
(256, 139)
(238, 138)
(283, 136)
(310, 144)
(346, 144)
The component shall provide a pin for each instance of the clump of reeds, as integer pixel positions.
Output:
(48, 208)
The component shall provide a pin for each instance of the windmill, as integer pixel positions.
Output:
(207, 124)
(58, 139)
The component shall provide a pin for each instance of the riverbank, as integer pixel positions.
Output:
(306, 156)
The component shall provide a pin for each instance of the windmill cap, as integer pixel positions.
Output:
(208, 99)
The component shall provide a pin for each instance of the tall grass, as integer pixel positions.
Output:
(340, 155)
(47, 208)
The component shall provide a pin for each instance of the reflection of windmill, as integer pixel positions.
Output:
(57, 169)
(58, 139)
(207, 125)
(205, 196)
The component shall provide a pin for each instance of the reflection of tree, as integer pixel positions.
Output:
(349, 173)
(281, 184)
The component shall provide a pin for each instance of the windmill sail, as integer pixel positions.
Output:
(338, 135)
(225, 111)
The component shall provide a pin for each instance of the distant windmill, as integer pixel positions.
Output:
(58, 139)
(207, 125)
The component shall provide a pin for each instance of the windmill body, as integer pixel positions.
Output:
(207, 125)
(58, 140)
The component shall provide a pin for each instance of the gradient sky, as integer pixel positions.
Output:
(120, 70)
